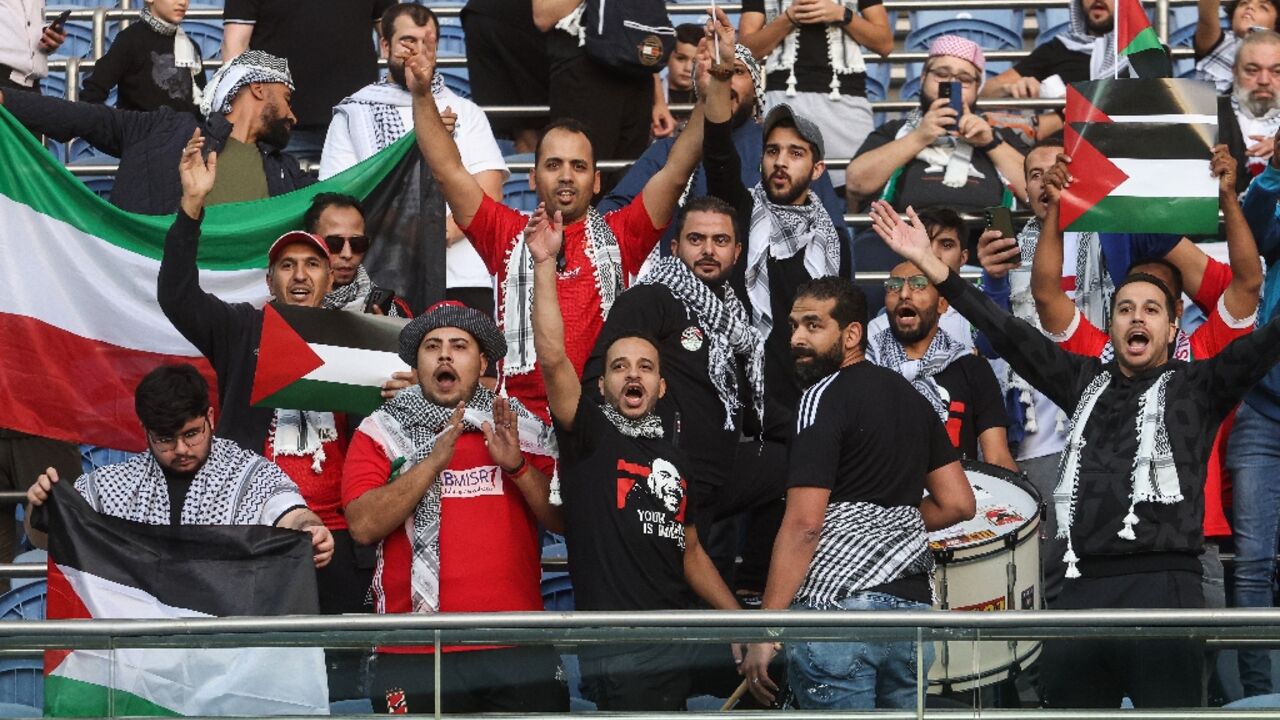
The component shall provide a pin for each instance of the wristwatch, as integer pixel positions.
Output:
(848, 15)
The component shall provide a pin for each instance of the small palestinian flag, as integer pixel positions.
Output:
(331, 360)
(105, 567)
(1140, 153)
(1136, 41)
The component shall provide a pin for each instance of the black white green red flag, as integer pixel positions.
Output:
(105, 567)
(1140, 153)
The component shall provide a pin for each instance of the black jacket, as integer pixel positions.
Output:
(149, 145)
(225, 333)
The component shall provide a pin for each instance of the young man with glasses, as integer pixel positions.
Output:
(936, 156)
(187, 476)
(339, 219)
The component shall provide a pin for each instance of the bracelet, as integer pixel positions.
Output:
(996, 141)
(519, 469)
(791, 19)
(723, 71)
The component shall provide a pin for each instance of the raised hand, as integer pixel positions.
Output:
(1057, 179)
(544, 235)
(974, 129)
(938, 121)
(721, 32)
(197, 173)
(418, 70)
(442, 451)
(1223, 166)
(997, 254)
(501, 436)
(911, 241)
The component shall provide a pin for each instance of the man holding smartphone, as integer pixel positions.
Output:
(25, 43)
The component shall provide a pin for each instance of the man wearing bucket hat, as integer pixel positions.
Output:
(452, 481)
(936, 156)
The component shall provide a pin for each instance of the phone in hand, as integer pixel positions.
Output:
(954, 92)
(60, 21)
(380, 298)
(999, 218)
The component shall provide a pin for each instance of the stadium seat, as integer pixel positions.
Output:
(453, 41)
(24, 603)
(80, 152)
(911, 88)
(517, 194)
(21, 683)
(878, 80)
(1050, 22)
(557, 592)
(79, 42)
(457, 80)
(100, 185)
(207, 35)
(31, 556)
(15, 710)
(991, 29)
(54, 85)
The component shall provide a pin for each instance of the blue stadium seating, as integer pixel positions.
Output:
(452, 41)
(101, 185)
(1051, 21)
(517, 194)
(207, 35)
(55, 85)
(457, 80)
(878, 80)
(24, 603)
(991, 29)
(21, 683)
(557, 592)
(79, 42)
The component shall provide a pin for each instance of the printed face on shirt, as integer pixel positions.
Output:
(184, 451)
(913, 313)
(664, 484)
(346, 223)
(1141, 330)
(1098, 16)
(1257, 78)
(565, 177)
(408, 39)
(680, 66)
(170, 11)
(1250, 14)
(817, 341)
(632, 380)
(449, 366)
(708, 244)
(300, 275)
(788, 167)
(1037, 164)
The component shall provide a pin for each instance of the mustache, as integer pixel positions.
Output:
(803, 352)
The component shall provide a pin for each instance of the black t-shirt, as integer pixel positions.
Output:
(178, 486)
(626, 503)
(813, 65)
(328, 43)
(975, 402)
(692, 412)
(920, 189)
(1053, 58)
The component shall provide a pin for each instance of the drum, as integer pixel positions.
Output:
(989, 563)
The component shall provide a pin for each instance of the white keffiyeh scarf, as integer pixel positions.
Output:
(184, 50)
(372, 115)
(352, 296)
(942, 351)
(516, 307)
(728, 329)
(648, 427)
(842, 51)
(1154, 477)
(864, 545)
(780, 232)
(406, 428)
(1103, 63)
(250, 66)
(303, 433)
(947, 155)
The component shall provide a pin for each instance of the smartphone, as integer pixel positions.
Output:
(59, 21)
(954, 93)
(380, 298)
(999, 218)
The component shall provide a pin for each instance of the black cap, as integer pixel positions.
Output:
(804, 127)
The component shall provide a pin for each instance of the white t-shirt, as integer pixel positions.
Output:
(21, 24)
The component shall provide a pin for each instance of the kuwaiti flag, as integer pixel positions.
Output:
(105, 567)
(1140, 153)
(78, 310)
(312, 359)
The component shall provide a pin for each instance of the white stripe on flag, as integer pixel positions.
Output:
(355, 366)
(1167, 119)
(1165, 178)
(62, 276)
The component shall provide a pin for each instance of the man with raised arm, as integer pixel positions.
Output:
(600, 251)
(1129, 501)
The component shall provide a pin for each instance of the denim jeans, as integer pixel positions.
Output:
(1253, 453)
(857, 675)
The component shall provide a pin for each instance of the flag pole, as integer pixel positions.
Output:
(1115, 38)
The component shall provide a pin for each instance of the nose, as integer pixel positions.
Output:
(299, 273)
(346, 253)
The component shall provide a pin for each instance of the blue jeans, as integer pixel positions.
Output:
(1253, 453)
(857, 675)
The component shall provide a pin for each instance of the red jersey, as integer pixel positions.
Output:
(490, 560)
(494, 231)
(1214, 333)
(322, 490)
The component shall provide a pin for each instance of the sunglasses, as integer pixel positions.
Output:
(359, 243)
(916, 282)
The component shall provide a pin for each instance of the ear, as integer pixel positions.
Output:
(662, 387)
(818, 168)
(484, 364)
(600, 385)
(211, 417)
(737, 252)
(595, 187)
(258, 90)
(853, 336)
(942, 304)
(964, 256)
(384, 46)
(675, 242)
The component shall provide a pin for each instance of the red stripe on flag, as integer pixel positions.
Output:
(57, 384)
(63, 603)
(1080, 110)
(1131, 19)
(1093, 178)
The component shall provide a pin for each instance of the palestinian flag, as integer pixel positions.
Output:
(311, 359)
(105, 567)
(1137, 42)
(78, 307)
(1140, 153)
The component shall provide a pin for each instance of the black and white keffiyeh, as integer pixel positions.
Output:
(864, 545)
(353, 295)
(373, 117)
(516, 309)
(250, 66)
(303, 433)
(942, 351)
(948, 155)
(648, 427)
(1103, 63)
(728, 329)
(233, 487)
(1154, 477)
(843, 52)
(406, 428)
(780, 232)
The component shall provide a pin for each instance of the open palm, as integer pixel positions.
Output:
(544, 235)
(911, 241)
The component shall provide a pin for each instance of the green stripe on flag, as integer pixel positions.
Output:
(1145, 40)
(1186, 215)
(234, 236)
(325, 396)
(67, 697)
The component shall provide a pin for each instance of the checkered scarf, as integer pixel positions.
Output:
(942, 351)
(1218, 66)
(250, 66)
(780, 232)
(372, 116)
(407, 427)
(516, 309)
(728, 329)
(353, 295)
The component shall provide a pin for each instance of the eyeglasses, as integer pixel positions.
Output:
(916, 282)
(945, 75)
(359, 243)
(188, 438)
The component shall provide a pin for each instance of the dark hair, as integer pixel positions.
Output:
(568, 125)
(419, 14)
(936, 219)
(628, 333)
(851, 302)
(1141, 277)
(709, 204)
(1176, 290)
(324, 201)
(169, 397)
(1057, 139)
(689, 33)
(790, 122)
(1230, 7)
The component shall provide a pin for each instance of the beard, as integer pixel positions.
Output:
(397, 73)
(925, 323)
(744, 114)
(277, 129)
(1102, 27)
(822, 365)
(788, 197)
(1255, 107)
